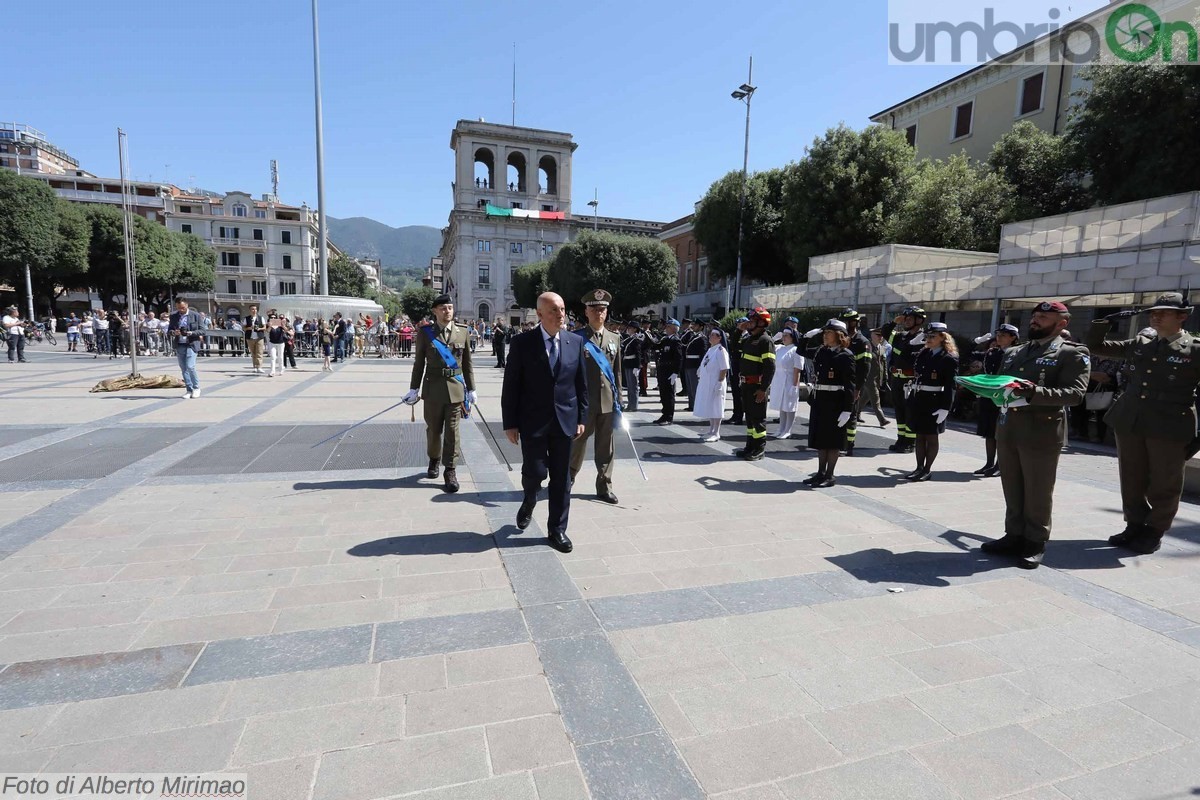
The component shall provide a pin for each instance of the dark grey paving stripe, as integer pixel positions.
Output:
(422, 637)
(597, 696)
(32, 527)
(560, 620)
(599, 700)
(656, 608)
(753, 597)
(1114, 603)
(638, 768)
(66, 680)
(44, 486)
(278, 653)
(1188, 636)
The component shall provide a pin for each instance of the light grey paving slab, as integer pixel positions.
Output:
(897, 776)
(1104, 735)
(637, 768)
(420, 637)
(62, 680)
(1170, 775)
(996, 763)
(656, 608)
(598, 698)
(403, 766)
(1114, 603)
(275, 654)
(1188, 636)
(752, 597)
(558, 620)
(539, 577)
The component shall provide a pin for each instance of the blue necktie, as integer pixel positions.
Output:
(553, 354)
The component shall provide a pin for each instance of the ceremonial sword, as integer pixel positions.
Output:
(355, 425)
(629, 433)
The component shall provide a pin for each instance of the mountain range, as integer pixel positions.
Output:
(409, 246)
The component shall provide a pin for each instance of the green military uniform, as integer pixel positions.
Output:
(1030, 438)
(861, 351)
(602, 403)
(903, 360)
(442, 394)
(1154, 421)
(757, 369)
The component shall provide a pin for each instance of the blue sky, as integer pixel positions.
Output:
(217, 89)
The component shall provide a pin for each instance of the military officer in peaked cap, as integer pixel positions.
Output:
(604, 393)
(443, 377)
(1154, 419)
(1031, 432)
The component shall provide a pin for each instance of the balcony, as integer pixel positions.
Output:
(251, 244)
(81, 196)
(227, 297)
(241, 270)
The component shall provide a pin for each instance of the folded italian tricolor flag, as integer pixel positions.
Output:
(997, 388)
(523, 213)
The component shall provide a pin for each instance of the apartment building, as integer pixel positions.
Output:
(264, 247)
(27, 150)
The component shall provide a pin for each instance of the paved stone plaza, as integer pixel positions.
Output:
(201, 586)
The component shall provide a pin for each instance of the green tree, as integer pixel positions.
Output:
(840, 195)
(1136, 131)
(1042, 169)
(389, 300)
(197, 264)
(106, 251)
(346, 279)
(638, 270)
(417, 302)
(952, 204)
(764, 254)
(29, 226)
(530, 281)
(67, 268)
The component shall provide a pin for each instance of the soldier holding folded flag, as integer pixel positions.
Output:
(1154, 419)
(443, 375)
(602, 348)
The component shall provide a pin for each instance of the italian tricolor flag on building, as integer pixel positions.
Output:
(523, 213)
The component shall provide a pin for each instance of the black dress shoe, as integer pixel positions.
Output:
(849, 451)
(433, 468)
(663, 421)
(524, 515)
(924, 476)
(1030, 555)
(984, 470)
(1146, 541)
(560, 542)
(914, 475)
(451, 481)
(1124, 537)
(1005, 546)
(825, 483)
(607, 497)
(993, 472)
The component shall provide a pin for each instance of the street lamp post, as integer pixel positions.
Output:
(744, 93)
(323, 241)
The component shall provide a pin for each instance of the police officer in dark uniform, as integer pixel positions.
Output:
(1154, 420)
(735, 358)
(931, 396)
(631, 363)
(988, 412)
(694, 349)
(668, 364)
(832, 400)
(757, 369)
(1031, 435)
(861, 352)
(906, 339)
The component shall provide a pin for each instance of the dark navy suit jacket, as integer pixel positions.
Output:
(536, 401)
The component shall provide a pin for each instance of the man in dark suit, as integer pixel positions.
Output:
(544, 404)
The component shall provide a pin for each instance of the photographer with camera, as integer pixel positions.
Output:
(1154, 419)
(185, 332)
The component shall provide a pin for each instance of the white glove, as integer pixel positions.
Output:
(410, 398)
(672, 378)
(843, 418)
(918, 339)
(812, 333)
(941, 415)
(471, 397)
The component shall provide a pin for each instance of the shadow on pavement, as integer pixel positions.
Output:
(448, 543)
(750, 486)
(363, 483)
(879, 565)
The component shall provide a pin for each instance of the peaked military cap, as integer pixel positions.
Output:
(599, 297)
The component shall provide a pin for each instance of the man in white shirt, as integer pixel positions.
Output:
(14, 331)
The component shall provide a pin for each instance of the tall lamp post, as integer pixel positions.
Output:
(744, 93)
(323, 239)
